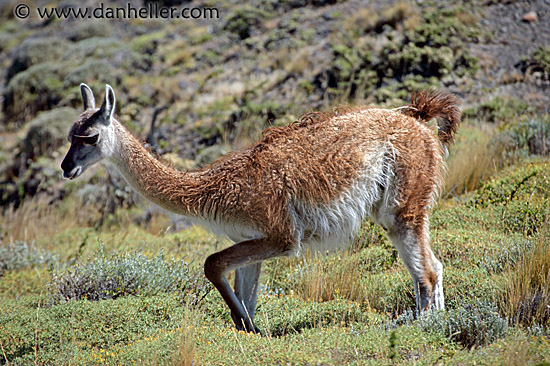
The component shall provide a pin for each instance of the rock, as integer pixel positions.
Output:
(530, 17)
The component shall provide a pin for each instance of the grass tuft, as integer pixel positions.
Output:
(323, 279)
(525, 298)
(185, 354)
(478, 154)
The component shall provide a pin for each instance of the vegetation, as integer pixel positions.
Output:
(90, 275)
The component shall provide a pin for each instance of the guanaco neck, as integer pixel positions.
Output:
(167, 187)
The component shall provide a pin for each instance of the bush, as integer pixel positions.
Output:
(525, 183)
(33, 51)
(471, 325)
(534, 134)
(38, 88)
(19, 255)
(538, 64)
(507, 257)
(48, 131)
(241, 21)
(430, 49)
(541, 55)
(287, 314)
(88, 29)
(95, 72)
(525, 217)
(78, 332)
(499, 109)
(112, 276)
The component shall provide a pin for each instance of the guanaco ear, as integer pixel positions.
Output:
(107, 109)
(87, 96)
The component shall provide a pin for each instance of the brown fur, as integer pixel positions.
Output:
(311, 163)
(255, 185)
(428, 105)
(420, 167)
(314, 159)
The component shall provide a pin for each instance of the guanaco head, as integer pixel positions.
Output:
(92, 134)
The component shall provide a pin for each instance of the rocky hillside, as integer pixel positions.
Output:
(211, 85)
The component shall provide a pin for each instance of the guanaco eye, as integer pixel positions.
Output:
(88, 140)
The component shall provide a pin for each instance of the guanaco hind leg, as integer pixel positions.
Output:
(413, 246)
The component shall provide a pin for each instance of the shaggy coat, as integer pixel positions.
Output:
(309, 183)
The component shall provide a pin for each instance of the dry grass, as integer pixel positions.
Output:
(38, 218)
(400, 15)
(185, 354)
(526, 289)
(323, 279)
(476, 156)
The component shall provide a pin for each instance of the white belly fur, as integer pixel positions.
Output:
(327, 227)
(234, 231)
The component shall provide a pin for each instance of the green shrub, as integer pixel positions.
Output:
(88, 29)
(19, 255)
(33, 51)
(525, 216)
(533, 133)
(38, 88)
(78, 332)
(115, 52)
(389, 291)
(210, 154)
(508, 256)
(95, 47)
(525, 182)
(433, 48)
(98, 72)
(377, 258)
(471, 326)
(243, 20)
(403, 59)
(112, 276)
(498, 109)
(371, 235)
(540, 61)
(281, 315)
(148, 43)
(352, 69)
(470, 282)
(48, 131)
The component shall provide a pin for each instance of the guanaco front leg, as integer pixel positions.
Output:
(247, 253)
(246, 288)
